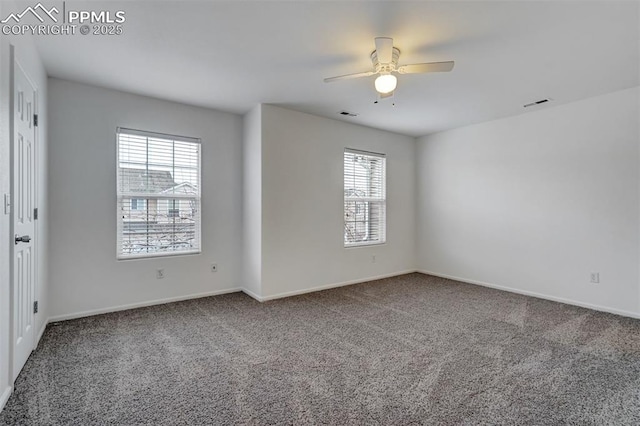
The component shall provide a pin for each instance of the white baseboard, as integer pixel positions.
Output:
(5, 397)
(325, 286)
(252, 295)
(537, 295)
(141, 304)
(44, 327)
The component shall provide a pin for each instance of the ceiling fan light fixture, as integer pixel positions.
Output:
(386, 83)
(385, 64)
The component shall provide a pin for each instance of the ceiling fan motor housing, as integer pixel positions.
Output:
(386, 68)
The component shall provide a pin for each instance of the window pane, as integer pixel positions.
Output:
(364, 198)
(159, 228)
(158, 195)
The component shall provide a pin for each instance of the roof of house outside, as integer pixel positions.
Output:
(149, 181)
(182, 188)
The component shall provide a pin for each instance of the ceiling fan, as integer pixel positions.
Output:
(385, 63)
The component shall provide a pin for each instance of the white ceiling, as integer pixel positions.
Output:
(234, 55)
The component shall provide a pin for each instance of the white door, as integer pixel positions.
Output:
(23, 195)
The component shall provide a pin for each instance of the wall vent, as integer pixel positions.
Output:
(541, 101)
(348, 114)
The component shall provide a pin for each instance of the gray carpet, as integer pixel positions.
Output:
(407, 350)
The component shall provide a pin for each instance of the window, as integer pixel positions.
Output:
(174, 208)
(158, 191)
(364, 198)
(138, 204)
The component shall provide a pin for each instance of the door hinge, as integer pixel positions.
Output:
(35, 120)
(35, 307)
(35, 214)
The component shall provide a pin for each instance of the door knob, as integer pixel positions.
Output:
(23, 239)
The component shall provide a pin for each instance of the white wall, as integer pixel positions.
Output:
(26, 53)
(252, 201)
(85, 275)
(536, 202)
(302, 203)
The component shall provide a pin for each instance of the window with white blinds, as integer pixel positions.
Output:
(158, 193)
(364, 198)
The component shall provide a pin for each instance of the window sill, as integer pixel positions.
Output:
(365, 244)
(157, 255)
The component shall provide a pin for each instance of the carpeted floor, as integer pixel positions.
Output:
(413, 349)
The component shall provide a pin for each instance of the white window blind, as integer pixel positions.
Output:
(158, 193)
(364, 198)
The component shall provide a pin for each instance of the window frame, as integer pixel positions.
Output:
(382, 201)
(151, 196)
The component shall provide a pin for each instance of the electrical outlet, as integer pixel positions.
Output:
(595, 277)
(160, 273)
(214, 267)
(373, 258)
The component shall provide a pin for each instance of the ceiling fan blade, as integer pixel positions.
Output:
(349, 76)
(384, 49)
(428, 67)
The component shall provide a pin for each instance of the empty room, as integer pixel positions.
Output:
(319, 212)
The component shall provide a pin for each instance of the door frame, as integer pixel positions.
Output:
(13, 63)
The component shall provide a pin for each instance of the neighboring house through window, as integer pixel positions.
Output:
(158, 189)
(364, 198)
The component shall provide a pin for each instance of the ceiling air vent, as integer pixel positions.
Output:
(348, 114)
(541, 101)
